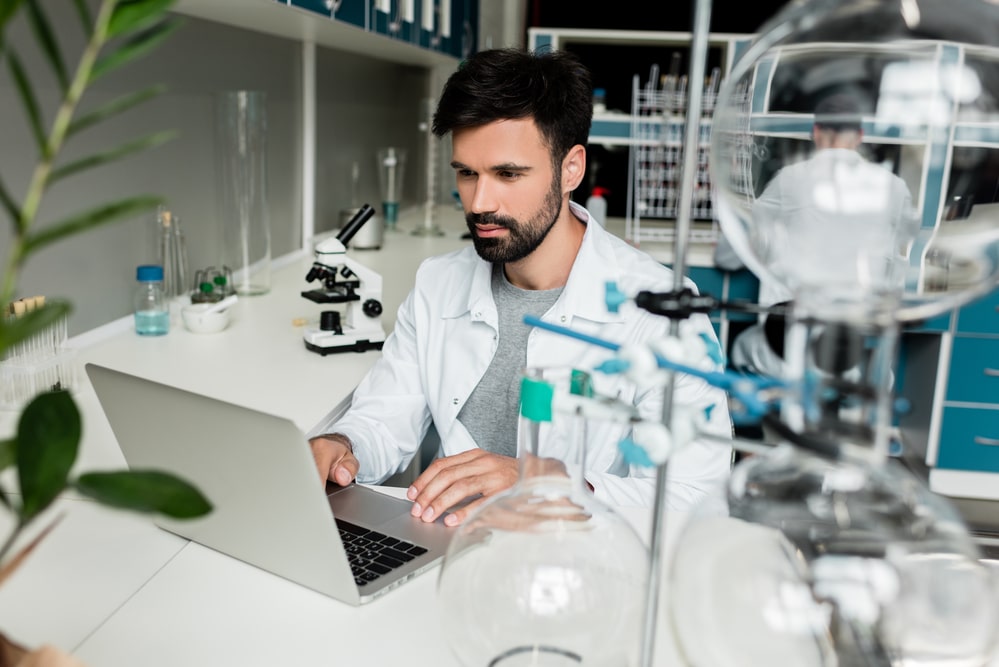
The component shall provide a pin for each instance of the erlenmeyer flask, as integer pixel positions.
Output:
(545, 574)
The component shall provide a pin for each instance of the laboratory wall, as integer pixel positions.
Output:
(361, 103)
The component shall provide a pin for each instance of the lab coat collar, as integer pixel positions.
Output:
(583, 296)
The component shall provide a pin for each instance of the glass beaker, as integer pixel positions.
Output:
(545, 574)
(391, 171)
(241, 123)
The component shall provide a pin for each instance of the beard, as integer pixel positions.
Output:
(523, 238)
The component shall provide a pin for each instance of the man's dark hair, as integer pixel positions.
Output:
(552, 87)
(839, 113)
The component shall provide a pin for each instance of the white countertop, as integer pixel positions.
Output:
(116, 591)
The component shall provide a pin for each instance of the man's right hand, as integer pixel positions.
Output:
(334, 458)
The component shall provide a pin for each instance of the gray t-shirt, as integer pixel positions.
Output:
(491, 413)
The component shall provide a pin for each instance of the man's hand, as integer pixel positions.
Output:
(452, 479)
(334, 458)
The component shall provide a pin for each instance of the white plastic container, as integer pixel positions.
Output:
(597, 205)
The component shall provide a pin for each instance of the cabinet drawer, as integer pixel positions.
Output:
(969, 439)
(981, 316)
(974, 370)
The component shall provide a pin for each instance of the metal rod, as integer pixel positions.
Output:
(698, 58)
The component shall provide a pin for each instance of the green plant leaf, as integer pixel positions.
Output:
(133, 48)
(16, 329)
(8, 454)
(47, 442)
(99, 159)
(86, 19)
(132, 15)
(112, 108)
(8, 8)
(29, 100)
(8, 457)
(96, 216)
(145, 491)
(12, 207)
(46, 40)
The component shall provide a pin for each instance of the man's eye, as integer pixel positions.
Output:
(510, 175)
(465, 173)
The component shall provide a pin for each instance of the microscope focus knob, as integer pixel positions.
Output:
(372, 308)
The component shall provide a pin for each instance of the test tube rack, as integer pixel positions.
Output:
(40, 363)
(655, 171)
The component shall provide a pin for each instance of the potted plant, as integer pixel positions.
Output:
(45, 445)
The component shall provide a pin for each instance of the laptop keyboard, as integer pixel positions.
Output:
(373, 554)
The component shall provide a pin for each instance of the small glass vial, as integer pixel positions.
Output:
(152, 312)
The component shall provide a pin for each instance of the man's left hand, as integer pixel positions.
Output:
(450, 480)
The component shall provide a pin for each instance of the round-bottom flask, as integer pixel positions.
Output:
(545, 574)
(833, 554)
(831, 563)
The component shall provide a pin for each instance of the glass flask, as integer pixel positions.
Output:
(829, 205)
(544, 574)
(853, 153)
(831, 553)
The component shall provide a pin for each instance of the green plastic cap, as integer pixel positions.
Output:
(536, 399)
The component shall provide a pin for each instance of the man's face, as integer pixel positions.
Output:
(507, 186)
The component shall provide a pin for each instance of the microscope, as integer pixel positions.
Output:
(348, 282)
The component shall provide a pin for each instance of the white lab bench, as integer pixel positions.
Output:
(116, 591)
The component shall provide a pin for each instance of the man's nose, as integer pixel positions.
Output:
(484, 198)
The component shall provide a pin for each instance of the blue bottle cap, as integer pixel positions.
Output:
(149, 272)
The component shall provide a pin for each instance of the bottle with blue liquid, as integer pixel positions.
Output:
(152, 312)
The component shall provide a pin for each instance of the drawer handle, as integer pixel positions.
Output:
(992, 372)
(979, 440)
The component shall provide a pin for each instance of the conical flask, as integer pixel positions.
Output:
(545, 574)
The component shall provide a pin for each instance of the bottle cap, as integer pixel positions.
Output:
(599, 191)
(149, 273)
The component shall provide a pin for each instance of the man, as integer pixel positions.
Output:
(519, 124)
(834, 226)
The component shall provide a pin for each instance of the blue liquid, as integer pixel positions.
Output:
(152, 322)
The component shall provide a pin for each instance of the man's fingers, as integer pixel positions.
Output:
(454, 479)
(334, 459)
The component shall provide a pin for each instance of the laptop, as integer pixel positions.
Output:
(351, 543)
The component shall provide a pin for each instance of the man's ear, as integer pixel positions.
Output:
(573, 168)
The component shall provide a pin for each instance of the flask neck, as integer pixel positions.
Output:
(846, 393)
(552, 453)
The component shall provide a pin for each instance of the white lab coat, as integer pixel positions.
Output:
(445, 337)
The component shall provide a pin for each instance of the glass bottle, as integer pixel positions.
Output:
(545, 574)
(152, 312)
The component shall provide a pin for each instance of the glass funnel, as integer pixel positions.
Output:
(545, 574)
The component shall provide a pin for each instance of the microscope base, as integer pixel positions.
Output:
(356, 346)
(326, 342)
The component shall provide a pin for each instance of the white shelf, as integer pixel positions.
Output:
(273, 18)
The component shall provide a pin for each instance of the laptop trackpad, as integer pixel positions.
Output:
(358, 504)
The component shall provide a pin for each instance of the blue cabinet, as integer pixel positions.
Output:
(443, 26)
(951, 377)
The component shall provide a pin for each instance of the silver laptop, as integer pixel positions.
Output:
(270, 509)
